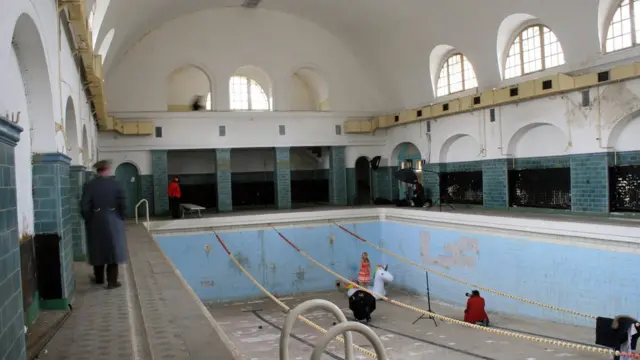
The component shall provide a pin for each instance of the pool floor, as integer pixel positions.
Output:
(255, 327)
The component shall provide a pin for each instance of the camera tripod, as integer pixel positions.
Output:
(422, 316)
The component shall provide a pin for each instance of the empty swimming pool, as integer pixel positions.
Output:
(540, 283)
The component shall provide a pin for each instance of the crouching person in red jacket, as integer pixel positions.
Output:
(475, 313)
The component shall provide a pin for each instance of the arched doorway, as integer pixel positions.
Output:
(405, 156)
(127, 174)
(363, 181)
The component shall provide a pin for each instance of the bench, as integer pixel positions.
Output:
(191, 208)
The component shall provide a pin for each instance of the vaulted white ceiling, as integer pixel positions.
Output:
(398, 36)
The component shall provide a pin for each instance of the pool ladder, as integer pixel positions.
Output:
(344, 327)
(146, 205)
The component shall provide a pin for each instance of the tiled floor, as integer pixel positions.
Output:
(255, 328)
(99, 327)
(152, 316)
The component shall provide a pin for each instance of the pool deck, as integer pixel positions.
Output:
(152, 316)
(255, 328)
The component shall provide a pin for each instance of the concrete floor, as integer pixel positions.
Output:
(255, 326)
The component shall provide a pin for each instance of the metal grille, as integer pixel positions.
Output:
(542, 188)
(463, 187)
(625, 184)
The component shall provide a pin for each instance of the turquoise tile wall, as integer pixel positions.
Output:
(77, 179)
(282, 178)
(12, 337)
(223, 179)
(52, 209)
(160, 182)
(337, 176)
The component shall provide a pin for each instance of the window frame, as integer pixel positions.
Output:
(518, 36)
(634, 38)
(249, 100)
(444, 63)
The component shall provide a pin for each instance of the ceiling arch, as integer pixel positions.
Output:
(398, 46)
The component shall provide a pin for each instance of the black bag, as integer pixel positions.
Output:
(362, 304)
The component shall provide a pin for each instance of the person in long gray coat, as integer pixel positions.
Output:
(103, 208)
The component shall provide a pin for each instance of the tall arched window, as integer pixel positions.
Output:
(456, 75)
(247, 94)
(536, 48)
(624, 30)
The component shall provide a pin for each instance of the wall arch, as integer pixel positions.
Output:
(32, 62)
(71, 132)
(103, 51)
(508, 30)
(623, 135)
(606, 10)
(128, 175)
(186, 82)
(404, 151)
(538, 139)
(459, 147)
(436, 59)
(310, 90)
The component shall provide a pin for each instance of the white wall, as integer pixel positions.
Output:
(200, 130)
(275, 42)
(51, 79)
(549, 126)
(141, 159)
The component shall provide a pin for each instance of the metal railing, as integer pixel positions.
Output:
(344, 327)
(146, 212)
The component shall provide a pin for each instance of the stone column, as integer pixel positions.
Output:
(590, 183)
(431, 181)
(12, 339)
(495, 184)
(337, 176)
(223, 179)
(52, 214)
(77, 179)
(282, 177)
(160, 182)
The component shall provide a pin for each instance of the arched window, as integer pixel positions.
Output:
(456, 75)
(247, 94)
(536, 48)
(624, 30)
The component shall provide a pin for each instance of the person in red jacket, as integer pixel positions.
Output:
(474, 313)
(174, 198)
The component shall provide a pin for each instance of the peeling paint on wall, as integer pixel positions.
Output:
(243, 260)
(207, 249)
(207, 283)
(463, 252)
(617, 101)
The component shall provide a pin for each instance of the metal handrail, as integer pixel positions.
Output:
(146, 208)
(344, 327)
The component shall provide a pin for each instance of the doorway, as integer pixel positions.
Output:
(363, 181)
(127, 174)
